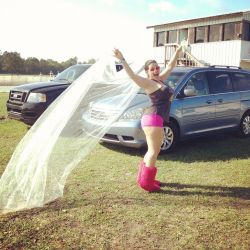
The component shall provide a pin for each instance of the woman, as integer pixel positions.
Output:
(154, 116)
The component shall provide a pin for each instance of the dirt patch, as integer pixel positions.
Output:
(3, 117)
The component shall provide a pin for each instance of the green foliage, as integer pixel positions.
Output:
(32, 64)
(51, 65)
(69, 62)
(91, 61)
(11, 62)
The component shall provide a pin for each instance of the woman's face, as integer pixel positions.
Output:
(153, 70)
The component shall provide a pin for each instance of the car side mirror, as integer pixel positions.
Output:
(190, 92)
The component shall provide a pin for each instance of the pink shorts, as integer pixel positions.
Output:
(153, 120)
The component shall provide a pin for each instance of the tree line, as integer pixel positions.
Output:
(13, 63)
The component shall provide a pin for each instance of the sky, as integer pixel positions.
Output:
(86, 29)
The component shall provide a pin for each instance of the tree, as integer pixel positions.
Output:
(53, 66)
(44, 68)
(32, 65)
(50, 65)
(91, 61)
(12, 62)
(70, 62)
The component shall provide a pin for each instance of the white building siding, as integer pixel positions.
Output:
(218, 53)
(214, 53)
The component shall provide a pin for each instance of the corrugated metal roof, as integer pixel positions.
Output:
(235, 16)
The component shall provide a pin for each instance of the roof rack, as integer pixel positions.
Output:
(224, 66)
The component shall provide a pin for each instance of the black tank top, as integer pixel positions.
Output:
(161, 102)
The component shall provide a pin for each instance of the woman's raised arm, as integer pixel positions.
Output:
(166, 72)
(142, 82)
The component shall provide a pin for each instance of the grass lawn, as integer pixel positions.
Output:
(204, 202)
(3, 99)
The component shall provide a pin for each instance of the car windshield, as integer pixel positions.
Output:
(72, 73)
(172, 81)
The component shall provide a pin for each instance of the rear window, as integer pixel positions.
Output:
(242, 81)
(219, 82)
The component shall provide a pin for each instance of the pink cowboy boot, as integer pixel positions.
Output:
(147, 177)
(141, 164)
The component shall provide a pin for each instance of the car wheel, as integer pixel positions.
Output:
(171, 137)
(245, 125)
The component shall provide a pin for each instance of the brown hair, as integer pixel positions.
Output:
(147, 63)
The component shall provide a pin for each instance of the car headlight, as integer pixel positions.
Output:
(132, 114)
(36, 97)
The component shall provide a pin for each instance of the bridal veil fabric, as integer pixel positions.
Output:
(66, 132)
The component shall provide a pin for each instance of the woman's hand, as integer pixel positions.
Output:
(184, 45)
(118, 54)
(178, 48)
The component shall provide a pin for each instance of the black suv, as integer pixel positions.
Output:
(27, 102)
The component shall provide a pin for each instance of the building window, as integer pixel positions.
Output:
(230, 31)
(183, 35)
(246, 31)
(172, 36)
(214, 33)
(160, 39)
(200, 34)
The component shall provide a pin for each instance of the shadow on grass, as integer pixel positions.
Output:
(221, 147)
(62, 205)
(174, 189)
(181, 190)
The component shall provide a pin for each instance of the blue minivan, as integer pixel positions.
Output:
(206, 100)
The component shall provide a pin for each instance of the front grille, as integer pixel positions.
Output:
(102, 115)
(17, 96)
(16, 111)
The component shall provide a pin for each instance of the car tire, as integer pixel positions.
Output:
(245, 125)
(171, 137)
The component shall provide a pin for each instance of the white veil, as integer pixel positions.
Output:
(66, 132)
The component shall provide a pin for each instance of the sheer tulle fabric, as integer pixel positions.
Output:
(67, 131)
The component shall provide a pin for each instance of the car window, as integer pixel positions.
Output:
(198, 82)
(71, 75)
(219, 82)
(242, 81)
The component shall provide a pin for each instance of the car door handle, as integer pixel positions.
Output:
(220, 100)
(209, 101)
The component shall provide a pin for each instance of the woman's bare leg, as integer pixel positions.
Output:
(154, 137)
